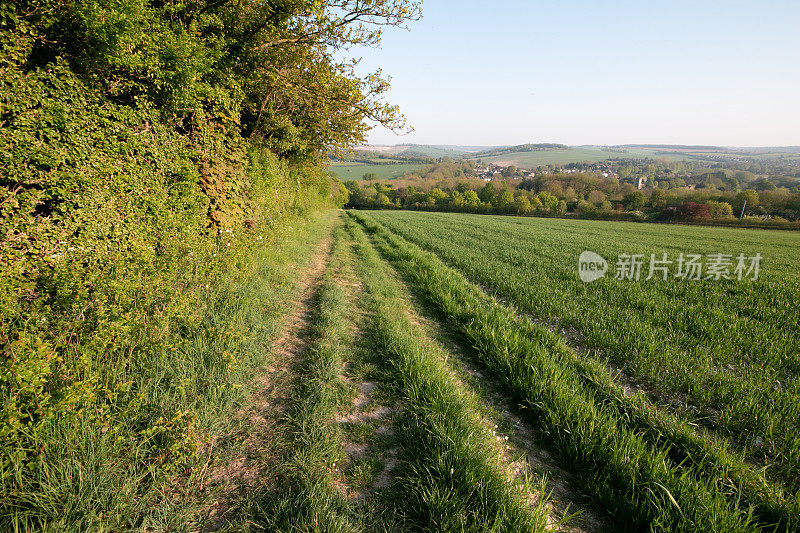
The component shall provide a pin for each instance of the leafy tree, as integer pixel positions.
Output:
(634, 200)
(586, 208)
(504, 201)
(487, 194)
(438, 196)
(764, 184)
(658, 199)
(548, 201)
(471, 200)
(522, 204)
(749, 196)
(596, 197)
(720, 209)
(732, 183)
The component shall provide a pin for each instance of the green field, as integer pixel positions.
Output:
(554, 157)
(413, 371)
(687, 387)
(355, 171)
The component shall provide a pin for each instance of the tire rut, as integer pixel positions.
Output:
(252, 468)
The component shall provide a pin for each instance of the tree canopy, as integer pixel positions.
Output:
(269, 69)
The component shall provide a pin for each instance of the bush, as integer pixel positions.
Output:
(118, 226)
(693, 211)
(720, 209)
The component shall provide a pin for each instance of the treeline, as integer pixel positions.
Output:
(584, 195)
(149, 151)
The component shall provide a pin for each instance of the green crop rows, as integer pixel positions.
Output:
(676, 401)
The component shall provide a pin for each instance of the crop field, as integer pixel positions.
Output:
(667, 404)
(355, 171)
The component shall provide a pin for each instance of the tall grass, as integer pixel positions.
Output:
(450, 476)
(143, 470)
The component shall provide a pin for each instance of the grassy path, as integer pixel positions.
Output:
(366, 425)
(241, 479)
(453, 471)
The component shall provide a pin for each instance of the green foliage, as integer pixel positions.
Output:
(720, 475)
(634, 200)
(658, 199)
(720, 209)
(149, 151)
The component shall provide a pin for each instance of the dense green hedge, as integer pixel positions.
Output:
(116, 226)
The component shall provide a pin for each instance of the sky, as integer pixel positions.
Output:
(474, 72)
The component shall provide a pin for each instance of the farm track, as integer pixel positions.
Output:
(438, 407)
(768, 508)
(254, 469)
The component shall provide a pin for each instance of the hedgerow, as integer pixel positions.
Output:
(136, 185)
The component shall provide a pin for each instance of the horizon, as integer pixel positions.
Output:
(584, 74)
(654, 145)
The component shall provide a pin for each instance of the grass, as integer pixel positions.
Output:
(308, 497)
(450, 476)
(628, 474)
(92, 477)
(723, 354)
(355, 171)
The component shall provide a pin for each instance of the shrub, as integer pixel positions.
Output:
(693, 211)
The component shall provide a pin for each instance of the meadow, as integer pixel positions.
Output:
(355, 171)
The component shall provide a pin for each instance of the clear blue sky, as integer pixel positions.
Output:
(596, 72)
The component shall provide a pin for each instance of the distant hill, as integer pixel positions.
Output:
(563, 155)
(420, 150)
(521, 148)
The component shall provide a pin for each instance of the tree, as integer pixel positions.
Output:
(548, 201)
(658, 199)
(471, 200)
(596, 197)
(504, 202)
(633, 200)
(586, 209)
(764, 184)
(369, 176)
(720, 209)
(749, 196)
(383, 201)
(522, 204)
(732, 184)
(487, 193)
(438, 196)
